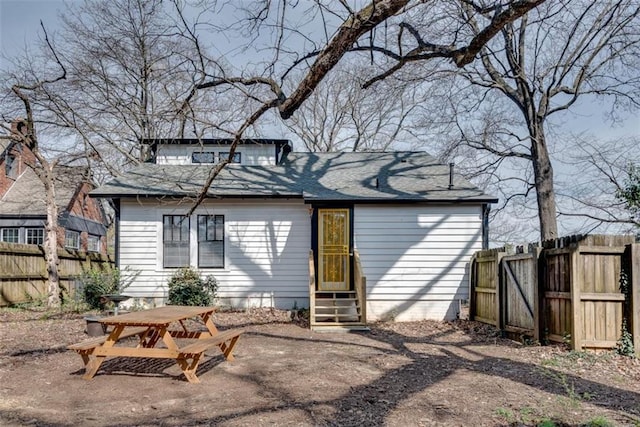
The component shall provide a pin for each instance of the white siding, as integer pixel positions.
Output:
(416, 258)
(262, 155)
(266, 250)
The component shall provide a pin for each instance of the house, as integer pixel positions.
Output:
(23, 213)
(287, 229)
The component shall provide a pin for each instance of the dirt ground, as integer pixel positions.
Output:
(398, 374)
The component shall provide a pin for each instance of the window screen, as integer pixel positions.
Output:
(175, 237)
(211, 241)
(93, 243)
(236, 157)
(72, 239)
(203, 157)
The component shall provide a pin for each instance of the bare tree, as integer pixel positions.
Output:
(24, 132)
(132, 66)
(350, 30)
(136, 71)
(601, 175)
(540, 67)
(123, 73)
(139, 69)
(342, 116)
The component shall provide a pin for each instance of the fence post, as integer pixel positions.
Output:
(500, 304)
(541, 271)
(501, 295)
(575, 284)
(634, 282)
(538, 294)
(473, 282)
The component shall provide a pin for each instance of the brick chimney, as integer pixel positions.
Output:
(19, 127)
(19, 150)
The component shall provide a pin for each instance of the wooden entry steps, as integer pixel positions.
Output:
(337, 310)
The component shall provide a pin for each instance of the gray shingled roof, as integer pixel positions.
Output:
(26, 195)
(392, 176)
(4, 144)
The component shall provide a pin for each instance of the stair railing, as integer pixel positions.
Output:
(312, 289)
(360, 286)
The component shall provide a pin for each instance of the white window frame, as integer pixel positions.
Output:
(5, 232)
(39, 235)
(72, 239)
(93, 243)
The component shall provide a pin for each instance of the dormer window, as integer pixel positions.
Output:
(236, 157)
(11, 166)
(10, 235)
(203, 157)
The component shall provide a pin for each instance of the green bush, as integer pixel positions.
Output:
(96, 283)
(186, 287)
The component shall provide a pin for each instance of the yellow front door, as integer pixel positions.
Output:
(333, 249)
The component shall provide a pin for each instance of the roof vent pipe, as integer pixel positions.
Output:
(451, 165)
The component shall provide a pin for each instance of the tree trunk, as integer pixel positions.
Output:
(543, 172)
(51, 243)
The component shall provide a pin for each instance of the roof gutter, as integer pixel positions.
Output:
(466, 201)
(182, 196)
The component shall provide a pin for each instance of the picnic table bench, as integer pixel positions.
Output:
(151, 327)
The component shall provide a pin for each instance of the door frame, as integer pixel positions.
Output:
(314, 238)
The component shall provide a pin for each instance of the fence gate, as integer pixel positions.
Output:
(566, 291)
(601, 304)
(484, 289)
(519, 294)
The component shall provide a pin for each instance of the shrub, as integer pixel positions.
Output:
(96, 283)
(186, 287)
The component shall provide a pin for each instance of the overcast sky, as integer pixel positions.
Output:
(20, 26)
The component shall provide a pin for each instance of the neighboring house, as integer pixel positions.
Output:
(23, 212)
(412, 222)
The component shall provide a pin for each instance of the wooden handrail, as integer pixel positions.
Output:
(360, 286)
(312, 289)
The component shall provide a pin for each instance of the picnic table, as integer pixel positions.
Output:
(155, 339)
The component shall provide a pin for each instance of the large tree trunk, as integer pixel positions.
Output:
(51, 242)
(543, 172)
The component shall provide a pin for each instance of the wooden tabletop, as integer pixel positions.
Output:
(157, 316)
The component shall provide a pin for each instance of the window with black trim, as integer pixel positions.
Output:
(175, 237)
(10, 235)
(71, 239)
(203, 157)
(35, 236)
(211, 241)
(237, 157)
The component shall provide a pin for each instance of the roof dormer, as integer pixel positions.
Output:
(251, 152)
